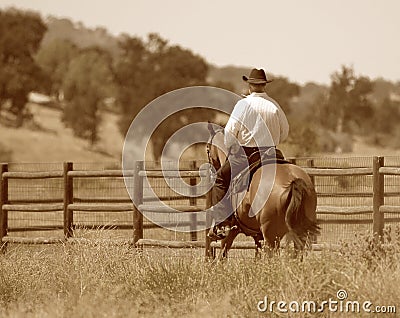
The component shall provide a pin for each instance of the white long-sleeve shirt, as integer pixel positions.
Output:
(256, 121)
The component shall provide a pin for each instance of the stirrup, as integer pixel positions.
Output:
(218, 233)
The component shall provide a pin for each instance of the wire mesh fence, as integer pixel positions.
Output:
(175, 192)
(341, 191)
(33, 191)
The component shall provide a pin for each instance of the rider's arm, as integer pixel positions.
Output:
(234, 124)
(283, 124)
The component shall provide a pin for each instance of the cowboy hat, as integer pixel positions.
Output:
(256, 77)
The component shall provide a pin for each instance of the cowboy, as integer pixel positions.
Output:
(256, 126)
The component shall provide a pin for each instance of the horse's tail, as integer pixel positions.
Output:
(299, 225)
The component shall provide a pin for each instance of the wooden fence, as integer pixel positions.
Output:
(69, 203)
(378, 171)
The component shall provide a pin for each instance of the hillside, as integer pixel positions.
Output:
(47, 140)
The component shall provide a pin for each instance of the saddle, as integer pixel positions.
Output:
(242, 181)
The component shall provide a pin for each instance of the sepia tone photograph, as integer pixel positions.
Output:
(199, 158)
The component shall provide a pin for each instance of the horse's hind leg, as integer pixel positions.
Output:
(272, 238)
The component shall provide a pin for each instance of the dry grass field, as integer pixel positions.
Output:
(104, 280)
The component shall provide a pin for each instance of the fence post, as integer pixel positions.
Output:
(68, 199)
(3, 200)
(137, 200)
(193, 202)
(378, 197)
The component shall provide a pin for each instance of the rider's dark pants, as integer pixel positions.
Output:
(234, 164)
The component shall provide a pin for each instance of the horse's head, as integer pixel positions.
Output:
(216, 150)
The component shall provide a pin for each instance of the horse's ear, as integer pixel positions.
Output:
(211, 128)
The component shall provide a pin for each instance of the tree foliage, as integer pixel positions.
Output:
(88, 81)
(283, 91)
(387, 116)
(347, 107)
(148, 69)
(20, 36)
(54, 58)
(62, 29)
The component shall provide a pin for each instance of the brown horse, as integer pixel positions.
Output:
(290, 208)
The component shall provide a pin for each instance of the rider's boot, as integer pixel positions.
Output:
(221, 214)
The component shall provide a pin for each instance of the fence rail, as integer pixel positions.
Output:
(315, 172)
(71, 202)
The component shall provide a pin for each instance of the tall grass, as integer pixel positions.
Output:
(104, 280)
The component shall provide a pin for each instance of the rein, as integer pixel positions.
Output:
(216, 164)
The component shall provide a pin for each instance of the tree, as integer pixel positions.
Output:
(88, 81)
(149, 69)
(387, 116)
(20, 36)
(223, 84)
(303, 139)
(283, 91)
(130, 75)
(54, 59)
(382, 90)
(347, 107)
(361, 105)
